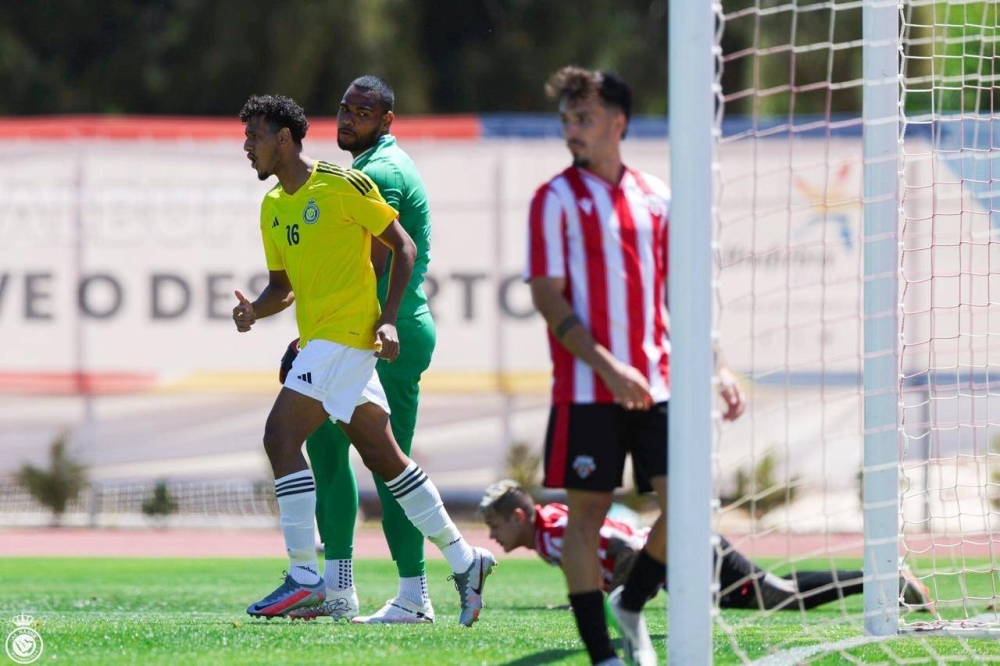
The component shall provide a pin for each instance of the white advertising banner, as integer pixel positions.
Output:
(120, 258)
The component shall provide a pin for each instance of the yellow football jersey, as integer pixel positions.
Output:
(321, 236)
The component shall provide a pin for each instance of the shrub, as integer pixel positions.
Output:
(524, 466)
(58, 485)
(161, 503)
(764, 493)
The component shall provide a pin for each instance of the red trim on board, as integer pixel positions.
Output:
(131, 128)
(85, 383)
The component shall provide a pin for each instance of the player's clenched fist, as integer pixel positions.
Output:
(243, 314)
(387, 342)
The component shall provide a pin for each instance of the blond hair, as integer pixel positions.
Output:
(504, 496)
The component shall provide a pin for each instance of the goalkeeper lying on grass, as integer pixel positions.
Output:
(515, 521)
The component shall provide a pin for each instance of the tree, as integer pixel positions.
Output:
(160, 503)
(524, 466)
(760, 486)
(58, 485)
(197, 57)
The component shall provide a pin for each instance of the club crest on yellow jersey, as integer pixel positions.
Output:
(311, 212)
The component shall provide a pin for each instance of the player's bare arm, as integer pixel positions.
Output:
(380, 254)
(277, 296)
(628, 385)
(404, 253)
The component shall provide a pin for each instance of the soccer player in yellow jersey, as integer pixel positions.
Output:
(317, 225)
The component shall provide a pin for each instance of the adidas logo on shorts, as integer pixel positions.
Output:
(307, 378)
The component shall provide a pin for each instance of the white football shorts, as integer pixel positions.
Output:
(339, 376)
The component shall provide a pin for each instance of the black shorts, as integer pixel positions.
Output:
(586, 445)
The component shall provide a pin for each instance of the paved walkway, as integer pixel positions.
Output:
(77, 542)
(369, 542)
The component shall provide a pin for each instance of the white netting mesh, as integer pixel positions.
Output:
(790, 234)
(950, 306)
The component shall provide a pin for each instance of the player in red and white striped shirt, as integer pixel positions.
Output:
(515, 521)
(597, 267)
(607, 244)
(549, 529)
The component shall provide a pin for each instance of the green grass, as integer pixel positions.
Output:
(159, 611)
(192, 611)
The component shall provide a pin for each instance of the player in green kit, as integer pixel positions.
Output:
(364, 126)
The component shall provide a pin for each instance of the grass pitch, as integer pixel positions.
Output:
(169, 611)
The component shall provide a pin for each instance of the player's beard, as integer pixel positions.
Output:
(578, 160)
(263, 173)
(358, 143)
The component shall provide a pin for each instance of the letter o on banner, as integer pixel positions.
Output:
(108, 298)
(516, 284)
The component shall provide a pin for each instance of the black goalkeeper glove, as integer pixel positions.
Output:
(288, 359)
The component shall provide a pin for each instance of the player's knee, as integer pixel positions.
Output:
(278, 438)
(383, 457)
(272, 435)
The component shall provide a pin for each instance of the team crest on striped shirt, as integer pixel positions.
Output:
(584, 466)
(311, 213)
(657, 207)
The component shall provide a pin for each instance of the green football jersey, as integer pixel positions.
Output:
(400, 184)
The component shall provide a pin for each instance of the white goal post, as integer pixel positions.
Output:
(835, 169)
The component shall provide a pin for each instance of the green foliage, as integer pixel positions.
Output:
(788, 48)
(195, 57)
(957, 45)
(760, 488)
(524, 465)
(58, 485)
(161, 503)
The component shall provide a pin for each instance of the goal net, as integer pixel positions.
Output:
(950, 344)
(854, 196)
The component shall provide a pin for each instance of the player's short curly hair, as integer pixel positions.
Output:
(576, 83)
(504, 496)
(278, 111)
(379, 86)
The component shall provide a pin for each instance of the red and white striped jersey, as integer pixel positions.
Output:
(610, 245)
(550, 525)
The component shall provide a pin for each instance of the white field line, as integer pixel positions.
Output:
(798, 655)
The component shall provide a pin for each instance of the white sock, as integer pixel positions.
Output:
(414, 589)
(297, 503)
(339, 574)
(421, 503)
